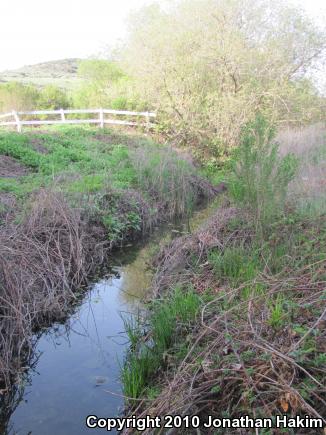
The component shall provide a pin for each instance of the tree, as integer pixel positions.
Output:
(16, 96)
(100, 72)
(101, 77)
(209, 66)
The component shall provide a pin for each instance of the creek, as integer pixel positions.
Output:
(76, 364)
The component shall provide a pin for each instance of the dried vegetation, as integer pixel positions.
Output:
(257, 344)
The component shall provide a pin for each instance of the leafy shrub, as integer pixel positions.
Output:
(260, 175)
(16, 96)
(22, 97)
(206, 92)
(53, 98)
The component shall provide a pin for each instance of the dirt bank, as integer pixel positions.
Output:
(11, 168)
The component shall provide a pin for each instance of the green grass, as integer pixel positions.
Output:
(97, 170)
(136, 372)
(73, 152)
(89, 163)
(171, 313)
(169, 320)
(237, 264)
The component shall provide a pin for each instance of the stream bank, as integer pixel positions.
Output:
(81, 199)
(76, 364)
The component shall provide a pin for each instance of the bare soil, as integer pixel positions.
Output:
(11, 168)
(37, 145)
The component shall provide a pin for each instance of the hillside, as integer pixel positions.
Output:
(62, 73)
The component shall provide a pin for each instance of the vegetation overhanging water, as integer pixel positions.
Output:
(76, 364)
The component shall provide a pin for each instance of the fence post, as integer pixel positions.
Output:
(147, 121)
(19, 126)
(101, 118)
(62, 113)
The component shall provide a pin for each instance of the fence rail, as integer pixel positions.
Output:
(18, 118)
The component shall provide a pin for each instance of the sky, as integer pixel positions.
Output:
(33, 31)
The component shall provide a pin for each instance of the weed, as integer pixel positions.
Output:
(237, 264)
(278, 314)
(165, 177)
(133, 329)
(136, 371)
(169, 318)
(167, 314)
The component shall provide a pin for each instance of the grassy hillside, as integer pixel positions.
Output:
(62, 73)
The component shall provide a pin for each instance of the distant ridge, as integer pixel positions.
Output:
(62, 72)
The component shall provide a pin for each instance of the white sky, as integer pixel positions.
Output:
(33, 31)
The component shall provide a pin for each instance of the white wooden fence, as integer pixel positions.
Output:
(18, 119)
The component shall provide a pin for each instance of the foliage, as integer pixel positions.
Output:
(261, 176)
(169, 321)
(164, 176)
(100, 72)
(22, 97)
(219, 62)
(16, 96)
(53, 98)
(105, 84)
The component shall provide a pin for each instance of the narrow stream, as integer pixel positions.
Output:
(77, 364)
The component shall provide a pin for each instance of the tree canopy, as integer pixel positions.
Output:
(210, 65)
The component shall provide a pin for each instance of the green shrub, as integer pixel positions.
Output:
(17, 96)
(53, 98)
(260, 176)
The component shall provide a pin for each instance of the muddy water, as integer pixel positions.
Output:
(76, 364)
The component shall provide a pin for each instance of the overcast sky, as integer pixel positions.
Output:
(33, 31)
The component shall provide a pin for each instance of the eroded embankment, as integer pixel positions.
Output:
(53, 239)
(248, 324)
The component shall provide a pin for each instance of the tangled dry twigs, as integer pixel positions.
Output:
(173, 260)
(237, 362)
(42, 260)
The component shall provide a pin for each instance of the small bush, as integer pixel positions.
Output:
(17, 96)
(260, 175)
(53, 98)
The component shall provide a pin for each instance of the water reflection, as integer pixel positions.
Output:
(8, 405)
(76, 364)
